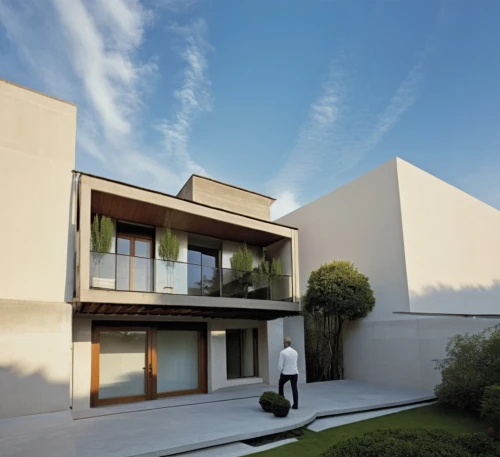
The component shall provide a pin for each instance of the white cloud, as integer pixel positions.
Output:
(315, 135)
(193, 98)
(285, 203)
(88, 52)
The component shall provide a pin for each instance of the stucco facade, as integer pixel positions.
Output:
(37, 155)
(431, 253)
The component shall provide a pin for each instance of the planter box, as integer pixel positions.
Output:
(103, 283)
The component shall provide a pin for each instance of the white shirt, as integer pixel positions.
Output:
(288, 361)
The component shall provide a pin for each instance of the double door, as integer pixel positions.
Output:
(134, 263)
(146, 362)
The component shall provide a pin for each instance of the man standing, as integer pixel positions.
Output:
(289, 371)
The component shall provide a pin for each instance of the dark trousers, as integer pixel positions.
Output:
(284, 378)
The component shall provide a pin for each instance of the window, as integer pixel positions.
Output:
(203, 271)
(242, 353)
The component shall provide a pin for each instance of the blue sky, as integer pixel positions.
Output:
(288, 98)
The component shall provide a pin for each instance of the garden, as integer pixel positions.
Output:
(465, 420)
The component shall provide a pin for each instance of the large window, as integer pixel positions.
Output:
(203, 271)
(242, 353)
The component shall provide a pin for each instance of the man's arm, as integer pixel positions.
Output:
(281, 362)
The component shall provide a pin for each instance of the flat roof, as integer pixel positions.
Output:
(229, 185)
(37, 92)
(179, 198)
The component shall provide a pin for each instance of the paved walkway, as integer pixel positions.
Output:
(172, 430)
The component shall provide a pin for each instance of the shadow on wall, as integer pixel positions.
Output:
(30, 393)
(71, 246)
(465, 300)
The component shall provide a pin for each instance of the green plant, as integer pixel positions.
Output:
(101, 236)
(280, 406)
(266, 399)
(336, 292)
(168, 251)
(471, 364)
(242, 267)
(490, 409)
(414, 443)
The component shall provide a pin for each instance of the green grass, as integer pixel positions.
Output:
(429, 417)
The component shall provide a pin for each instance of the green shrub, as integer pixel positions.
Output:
(280, 406)
(490, 410)
(471, 365)
(414, 443)
(266, 399)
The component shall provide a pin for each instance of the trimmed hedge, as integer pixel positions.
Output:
(280, 406)
(415, 443)
(490, 409)
(266, 399)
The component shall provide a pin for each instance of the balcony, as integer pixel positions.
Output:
(143, 274)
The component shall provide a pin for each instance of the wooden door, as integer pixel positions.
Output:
(134, 263)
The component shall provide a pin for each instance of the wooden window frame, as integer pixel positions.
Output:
(150, 359)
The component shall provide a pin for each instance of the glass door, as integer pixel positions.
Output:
(122, 365)
(153, 360)
(177, 362)
(134, 263)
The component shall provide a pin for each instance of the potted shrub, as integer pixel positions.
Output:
(242, 267)
(268, 275)
(168, 250)
(490, 410)
(266, 400)
(101, 236)
(280, 406)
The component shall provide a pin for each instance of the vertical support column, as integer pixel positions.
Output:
(84, 241)
(274, 347)
(294, 328)
(295, 265)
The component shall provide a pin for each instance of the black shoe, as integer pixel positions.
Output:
(295, 407)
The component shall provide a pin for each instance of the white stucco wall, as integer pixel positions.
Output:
(402, 352)
(452, 246)
(359, 222)
(37, 156)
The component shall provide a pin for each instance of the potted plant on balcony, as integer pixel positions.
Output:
(268, 274)
(101, 236)
(242, 268)
(169, 253)
(275, 274)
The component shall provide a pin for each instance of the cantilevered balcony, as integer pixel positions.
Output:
(144, 274)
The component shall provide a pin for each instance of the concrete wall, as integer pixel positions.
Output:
(37, 155)
(359, 222)
(35, 359)
(227, 197)
(402, 352)
(452, 246)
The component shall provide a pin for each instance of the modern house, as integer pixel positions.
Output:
(86, 328)
(432, 254)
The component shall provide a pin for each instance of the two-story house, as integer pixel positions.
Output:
(87, 326)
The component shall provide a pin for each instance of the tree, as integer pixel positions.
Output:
(242, 267)
(336, 292)
(101, 236)
(168, 250)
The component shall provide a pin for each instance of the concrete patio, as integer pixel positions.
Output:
(187, 424)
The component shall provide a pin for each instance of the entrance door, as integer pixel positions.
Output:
(121, 365)
(134, 263)
(147, 362)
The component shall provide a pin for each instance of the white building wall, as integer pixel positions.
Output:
(37, 156)
(402, 353)
(452, 246)
(359, 222)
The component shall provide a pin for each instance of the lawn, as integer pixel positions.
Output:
(430, 417)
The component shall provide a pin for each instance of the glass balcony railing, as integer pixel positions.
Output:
(139, 274)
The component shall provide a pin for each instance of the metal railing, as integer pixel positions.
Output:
(140, 274)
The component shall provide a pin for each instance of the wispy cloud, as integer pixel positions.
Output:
(193, 98)
(90, 52)
(335, 138)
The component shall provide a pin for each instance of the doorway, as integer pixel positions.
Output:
(147, 361)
